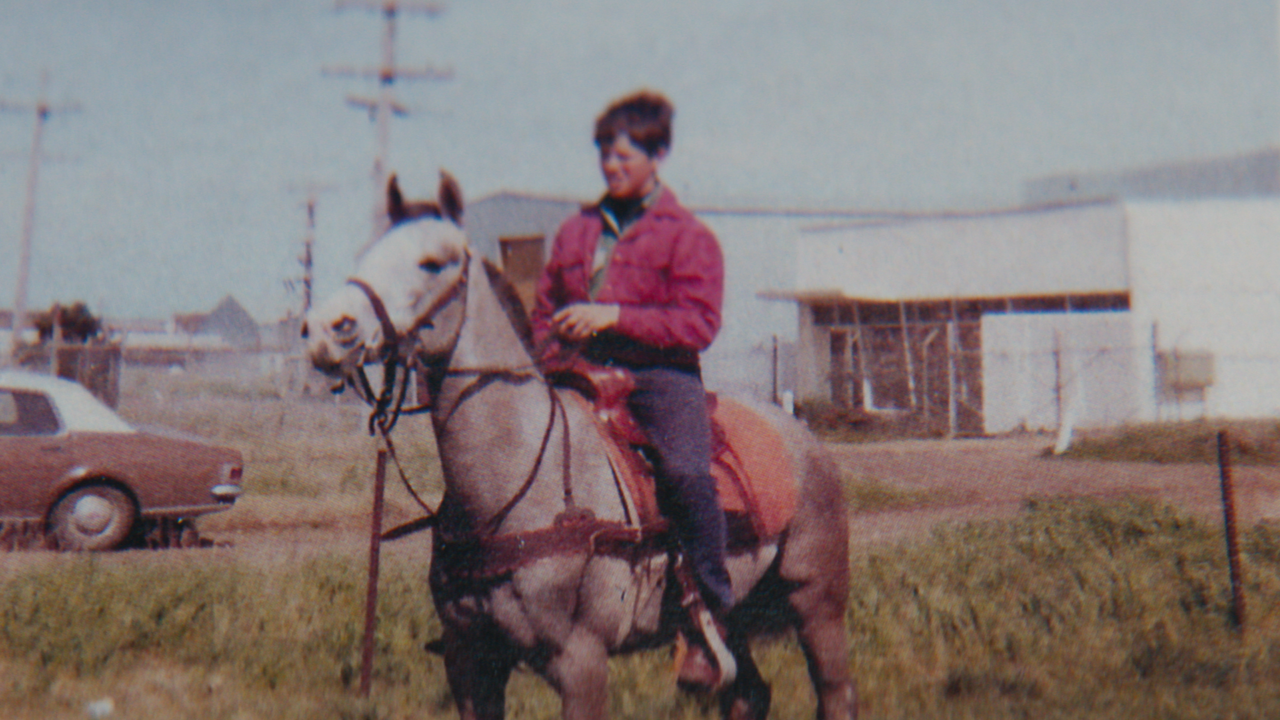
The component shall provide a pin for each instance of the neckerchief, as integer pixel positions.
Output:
(617, 215)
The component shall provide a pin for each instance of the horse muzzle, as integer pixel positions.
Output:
(340, 367)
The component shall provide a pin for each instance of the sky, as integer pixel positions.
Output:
(180, 178)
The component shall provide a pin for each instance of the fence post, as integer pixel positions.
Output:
(1229, 523)
(371, 596)
(775, 397)
(953, 347)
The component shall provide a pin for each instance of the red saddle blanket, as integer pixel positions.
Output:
(752, 465)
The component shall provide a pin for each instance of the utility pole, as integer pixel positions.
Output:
(312, 191)
(42, 110)
(381, 107)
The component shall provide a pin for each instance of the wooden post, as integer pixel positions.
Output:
(1229, 525)
(953, 348)
(906, 353)
(864, 352)
(381, 107)
(953, 419)
(776, 399)
(371, 596)
(42, 109)
(1057, 379)
(56, 344)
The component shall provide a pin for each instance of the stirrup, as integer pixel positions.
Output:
(720, 653)
(705, 623)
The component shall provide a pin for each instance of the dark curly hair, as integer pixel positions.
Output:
(643, 116)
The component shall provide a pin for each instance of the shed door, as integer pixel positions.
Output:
(522, 260)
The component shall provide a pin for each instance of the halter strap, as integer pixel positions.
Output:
(379, 309)
(390, 338)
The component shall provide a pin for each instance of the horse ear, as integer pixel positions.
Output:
(395, 201)
(450, 198)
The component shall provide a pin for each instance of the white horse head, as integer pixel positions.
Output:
(408, 284)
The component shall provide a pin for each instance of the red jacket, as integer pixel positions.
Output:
(666, 273)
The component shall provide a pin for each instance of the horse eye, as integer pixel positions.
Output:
(431, 266)
(344, 326)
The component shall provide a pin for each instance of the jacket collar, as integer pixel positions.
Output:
(662, 202)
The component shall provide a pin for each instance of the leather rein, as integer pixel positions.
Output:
(399, 361)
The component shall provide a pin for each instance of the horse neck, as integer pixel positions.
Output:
(486, 339)
(491, 410)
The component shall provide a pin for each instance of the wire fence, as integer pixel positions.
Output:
(1041, 373)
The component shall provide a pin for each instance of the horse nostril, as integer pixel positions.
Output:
(306, 333)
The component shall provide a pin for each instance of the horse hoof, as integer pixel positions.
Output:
(750, 705)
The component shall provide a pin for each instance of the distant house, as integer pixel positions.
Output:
(222, 337)
(230, 321)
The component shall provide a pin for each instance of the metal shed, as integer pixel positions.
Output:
(1095, 313)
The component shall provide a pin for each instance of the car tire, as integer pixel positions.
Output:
(92, 517)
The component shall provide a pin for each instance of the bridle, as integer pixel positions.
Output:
(399, 361)
(399, 358)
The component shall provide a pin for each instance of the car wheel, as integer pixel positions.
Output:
(93, 517)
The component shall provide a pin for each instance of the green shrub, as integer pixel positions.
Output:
(1076, 608)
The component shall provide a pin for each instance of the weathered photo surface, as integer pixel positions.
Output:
(296, 296)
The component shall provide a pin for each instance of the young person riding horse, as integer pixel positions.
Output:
(636, 281)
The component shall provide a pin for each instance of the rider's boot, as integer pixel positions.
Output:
(704, 659)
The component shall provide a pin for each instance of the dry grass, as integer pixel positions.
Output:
(1072, 609)
(308, 462)
(1252, 443)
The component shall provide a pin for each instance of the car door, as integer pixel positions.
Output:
(34, 452)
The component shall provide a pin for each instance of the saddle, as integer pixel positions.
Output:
(750, 463)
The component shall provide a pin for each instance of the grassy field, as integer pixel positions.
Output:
(1252, 443)
(1072, 609)
(308, 463)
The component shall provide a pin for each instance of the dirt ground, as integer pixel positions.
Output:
(941, 481)
(960, 480)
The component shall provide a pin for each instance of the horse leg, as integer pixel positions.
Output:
(580, 673)
(826, 648)
(816, 563)
(748, 698)
(478, 670)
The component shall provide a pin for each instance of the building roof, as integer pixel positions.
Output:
(1075, 249)
(1250, 175)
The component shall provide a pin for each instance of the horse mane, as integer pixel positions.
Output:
(511, 304)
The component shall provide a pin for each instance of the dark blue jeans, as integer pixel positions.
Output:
(671, 406)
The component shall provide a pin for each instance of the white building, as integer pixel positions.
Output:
(1096, 313)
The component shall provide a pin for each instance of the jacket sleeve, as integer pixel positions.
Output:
(691, 316)
(550, 296)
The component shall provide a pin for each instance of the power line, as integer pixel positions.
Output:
(382, 107)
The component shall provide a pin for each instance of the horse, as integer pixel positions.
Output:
(518, 459)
